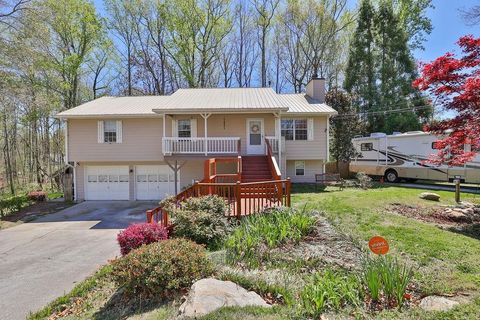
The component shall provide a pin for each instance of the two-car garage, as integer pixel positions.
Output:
(123, 182)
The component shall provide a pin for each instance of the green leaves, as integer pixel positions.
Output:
(330, 290)
(269, 229)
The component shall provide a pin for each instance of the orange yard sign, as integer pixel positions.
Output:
(378, 245)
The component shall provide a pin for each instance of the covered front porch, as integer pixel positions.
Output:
(217, 134)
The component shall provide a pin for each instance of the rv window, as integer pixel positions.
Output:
(366, 146)
(435, 145)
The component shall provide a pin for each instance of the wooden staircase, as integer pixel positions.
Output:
(256, 185)
(255, 169)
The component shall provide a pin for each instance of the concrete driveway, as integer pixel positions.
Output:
(43, 259)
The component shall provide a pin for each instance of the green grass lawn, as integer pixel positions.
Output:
(445, 262)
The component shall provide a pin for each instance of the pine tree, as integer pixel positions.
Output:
(360, 72)
(381, 69)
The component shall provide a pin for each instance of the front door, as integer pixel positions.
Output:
(255, 143)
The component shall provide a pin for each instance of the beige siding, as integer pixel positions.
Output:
(142, 141)
(315, 149)
(312, 167)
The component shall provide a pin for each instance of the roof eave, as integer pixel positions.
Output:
(111, 116)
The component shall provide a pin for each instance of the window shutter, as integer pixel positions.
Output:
(174, 128)
(119, 131)
(193, 128)
(310, 129)
(100, 138)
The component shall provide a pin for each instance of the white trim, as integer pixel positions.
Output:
(310, 129)
(65, 134)
(119, 127)
(304, 168)
(101, 131)
(261, 147)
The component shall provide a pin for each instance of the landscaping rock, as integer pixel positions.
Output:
(458, 215)
(437, 303)
(430, 196)
(208, 295)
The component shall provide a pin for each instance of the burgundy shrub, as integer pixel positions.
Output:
(37, 196)
(139, 234)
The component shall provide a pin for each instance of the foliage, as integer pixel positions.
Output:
(136, 235)
(330, 290)
(12, 204)
(343, 127)
(38, 196)
(202, 220)
(454, 82)
(364, 180)
(270, 228)
(384, 274)
(380, 70)
(162, 268)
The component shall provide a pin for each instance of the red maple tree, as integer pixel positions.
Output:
(455, 82)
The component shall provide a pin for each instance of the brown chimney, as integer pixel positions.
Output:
(316, 89)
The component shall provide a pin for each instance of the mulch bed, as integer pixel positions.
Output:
(36, 209)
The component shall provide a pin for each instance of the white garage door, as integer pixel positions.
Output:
(154, 182)
(107, 183)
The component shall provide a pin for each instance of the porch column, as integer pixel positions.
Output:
(164, 131)
(205, 116)
(278, 136)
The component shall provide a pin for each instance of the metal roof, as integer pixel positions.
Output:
(302, 103)
(116, 106)
(228, 100)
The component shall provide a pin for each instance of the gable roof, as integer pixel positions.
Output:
(200, 100)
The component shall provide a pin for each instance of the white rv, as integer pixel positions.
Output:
(403, 155)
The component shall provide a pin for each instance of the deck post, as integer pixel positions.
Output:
(149, 216)
(239, 199)
(287, 187)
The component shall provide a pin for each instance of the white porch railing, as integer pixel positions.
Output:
(273, 143)
(199, 145)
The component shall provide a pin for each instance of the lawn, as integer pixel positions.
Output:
(445, 262)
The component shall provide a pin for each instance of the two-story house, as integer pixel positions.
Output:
(135, 148)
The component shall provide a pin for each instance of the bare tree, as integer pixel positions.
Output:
(471, 16)
(265, 11)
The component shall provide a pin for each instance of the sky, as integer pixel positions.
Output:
(448, 26)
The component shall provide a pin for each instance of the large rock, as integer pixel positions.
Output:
(430, 196)
(208, 295)
(437, 303)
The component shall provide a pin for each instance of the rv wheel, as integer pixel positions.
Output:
(391, 176)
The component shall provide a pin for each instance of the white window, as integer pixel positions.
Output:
(184, 128)
(299, 168)
(295, 129)
(110, 131)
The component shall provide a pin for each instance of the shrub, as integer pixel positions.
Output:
(139, 234)
(162, 268)
(202, 220)
(12, 204)
(330, 290)
(386, 275)
(271, 228)
(37, 196)
(364, 181)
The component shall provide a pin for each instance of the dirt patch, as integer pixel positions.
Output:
(427, 214)
(324, 245)
(35, 210)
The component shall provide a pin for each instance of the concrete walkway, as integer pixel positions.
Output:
(43, 259)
